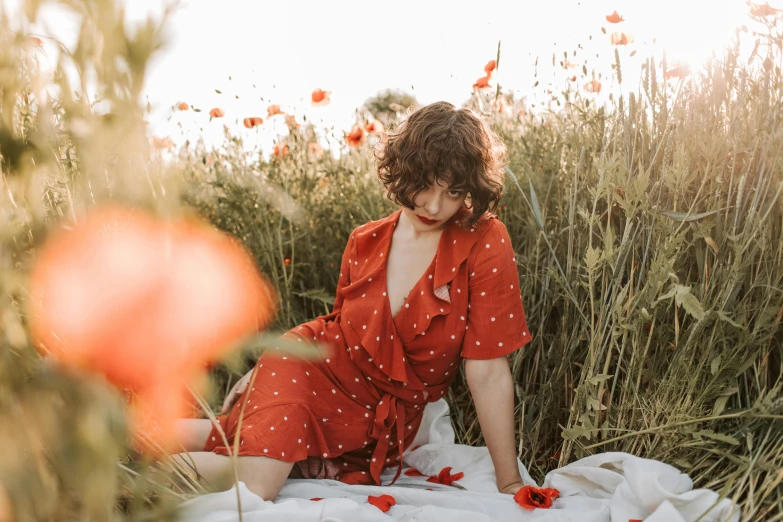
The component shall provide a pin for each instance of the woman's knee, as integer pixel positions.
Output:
(263, 476)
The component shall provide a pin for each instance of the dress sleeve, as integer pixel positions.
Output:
(496, 323)
(345, 273)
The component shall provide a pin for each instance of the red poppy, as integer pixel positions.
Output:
(531, 497)
(280, 152)
(317, 498)
(763, 10)
(216, 113)
(182, 106)
(149, 321)
(445, 477)
(249, 123)
(356, 136)
(680, 71)
(490, 67)
(593, 86)
(374, 126)
(162, 143)
(413, 472)
(481, 83)
(287, 261)
(272, 110)
(290, 119)
(320, 98)
(622, 38)
(383, 502)
(614, 18)
(573, 78)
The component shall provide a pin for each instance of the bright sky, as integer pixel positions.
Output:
(436, 50)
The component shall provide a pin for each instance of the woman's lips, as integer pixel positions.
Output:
(427, 221)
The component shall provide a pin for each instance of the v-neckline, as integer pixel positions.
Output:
(386, 266)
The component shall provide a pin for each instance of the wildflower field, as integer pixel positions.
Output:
(648, 232)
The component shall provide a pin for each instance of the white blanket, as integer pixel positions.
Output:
(615, 487)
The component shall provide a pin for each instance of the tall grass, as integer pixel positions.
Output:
(649, 243)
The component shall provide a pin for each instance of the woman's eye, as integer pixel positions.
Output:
(455, 193)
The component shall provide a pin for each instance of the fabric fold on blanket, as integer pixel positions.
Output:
(608, 487)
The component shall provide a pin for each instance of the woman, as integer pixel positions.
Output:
(419, 290)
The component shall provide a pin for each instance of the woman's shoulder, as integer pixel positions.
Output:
(376, 224)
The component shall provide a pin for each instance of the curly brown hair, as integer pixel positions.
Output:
(442, 142)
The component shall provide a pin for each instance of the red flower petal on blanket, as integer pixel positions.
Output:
(531, 497)
(317, 498)
(413, 472)
(383, 502)
(445, 477)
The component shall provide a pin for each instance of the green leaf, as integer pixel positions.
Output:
(684, 216)
(599, 378)
(715, 365)
(687, 300)
(217, 91)
(722, 315)
(716, 436)
(592, 258)
(317, 294)
(536, 207)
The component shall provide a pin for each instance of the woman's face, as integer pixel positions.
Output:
(439, 202)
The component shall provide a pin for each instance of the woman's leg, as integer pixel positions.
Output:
(263, 476)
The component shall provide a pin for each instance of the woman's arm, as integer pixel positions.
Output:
(492, 388)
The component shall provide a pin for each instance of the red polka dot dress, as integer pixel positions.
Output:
(352, 412)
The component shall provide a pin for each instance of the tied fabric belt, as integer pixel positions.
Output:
(389, 412)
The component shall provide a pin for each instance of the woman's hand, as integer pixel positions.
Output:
(236, 391)
(512, 488)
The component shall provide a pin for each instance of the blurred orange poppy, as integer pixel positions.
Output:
(272, 110)
(481, 83)
(182, 106)
(287, 261)
(500, 105)
(34, 41)
(290, 119)
(162, 143)
(573, 78)
(356, 136)
(252, 122)
(124, 294)
(593, 86)
(569, 65)
(763, 10)
(314, 149)
(280, 151)
(374, 126)
(490, 67)
(622, 38)
(614, 18)
(681, 70)
(216, 113)
(320, 98)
